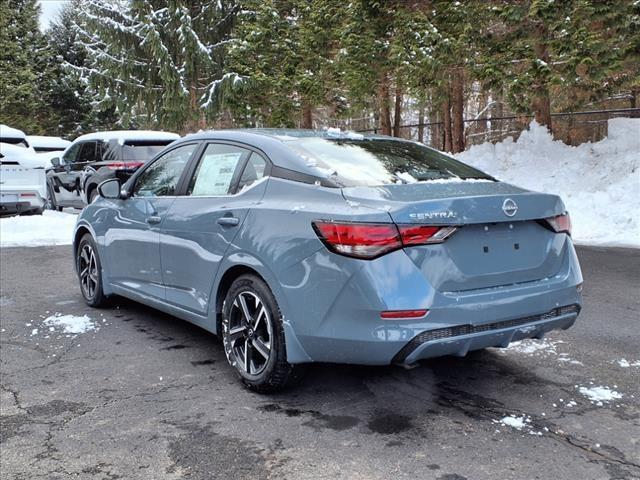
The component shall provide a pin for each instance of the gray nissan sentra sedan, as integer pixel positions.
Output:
(303, 246)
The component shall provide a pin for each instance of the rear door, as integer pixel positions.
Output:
(202, 223)
(133, 241)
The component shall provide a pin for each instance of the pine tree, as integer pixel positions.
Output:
(159, 63)
(24, 67)
(286, 49)
(70, 97)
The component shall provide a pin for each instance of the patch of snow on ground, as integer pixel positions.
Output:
(522, 424)
(516, 422)
(530, 346)
(70, 323)
(600, 395)
(598, 182)
(50, 228)
(624, 363)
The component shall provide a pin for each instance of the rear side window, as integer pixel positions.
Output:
(253, 171)
(217, 170)
(370, 162)
(161, 178)
(87, 152)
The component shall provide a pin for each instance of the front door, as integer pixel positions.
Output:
(66, 176)
(133, 242)
(201, 224)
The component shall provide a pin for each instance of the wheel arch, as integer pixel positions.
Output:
(224, 284)
(295, 352)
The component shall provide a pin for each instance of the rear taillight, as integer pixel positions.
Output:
(371, 240)
(402, 314)
(560, 223)
(124, 165)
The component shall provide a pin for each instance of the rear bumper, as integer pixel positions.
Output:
(460, 340)
(12, 208)
(351, 330)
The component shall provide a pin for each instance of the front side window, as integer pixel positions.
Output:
(216, 170)
(374, 161)
(72, 153)
(161, 178)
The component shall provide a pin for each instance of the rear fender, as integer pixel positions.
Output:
(295, 352)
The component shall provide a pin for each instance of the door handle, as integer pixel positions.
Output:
(229, 221)
(153, 220)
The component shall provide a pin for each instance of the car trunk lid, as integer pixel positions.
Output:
(499, 240)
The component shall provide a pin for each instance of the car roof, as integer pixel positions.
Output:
(9, 132)
(273, 142)
(48, 142)
(128, 135)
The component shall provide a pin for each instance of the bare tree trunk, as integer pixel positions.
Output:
(307, 115)
(383, 105)
(421, 124)
(397, 111)
(457, 111)
(446, 119)
(541, 103)
(436, 130)
(481, 124)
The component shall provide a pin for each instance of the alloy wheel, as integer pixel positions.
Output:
(248, 333)
(88, 268)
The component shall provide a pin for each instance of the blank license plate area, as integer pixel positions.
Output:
(8, 198)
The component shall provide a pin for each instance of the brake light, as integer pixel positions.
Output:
(124, 165)
(371, 240)
(29, 195)
(560, 223)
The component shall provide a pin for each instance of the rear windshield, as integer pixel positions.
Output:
(18, 142)
(48, 149)
(370, 162)
(136, 150)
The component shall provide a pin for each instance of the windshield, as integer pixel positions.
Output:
(370, 162)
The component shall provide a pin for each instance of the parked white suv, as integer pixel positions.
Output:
(23, 183)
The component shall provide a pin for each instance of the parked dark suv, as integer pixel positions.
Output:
(96, 157)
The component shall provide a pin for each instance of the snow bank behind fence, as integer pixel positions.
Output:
(599, 182)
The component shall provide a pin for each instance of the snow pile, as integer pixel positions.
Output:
(599, 182)
(50, 228)
(600, 395)
(70, 323)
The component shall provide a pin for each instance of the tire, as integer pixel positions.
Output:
(89, 271)
(92, 195)
(261, 336)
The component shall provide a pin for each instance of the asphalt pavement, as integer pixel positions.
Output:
(142, 395)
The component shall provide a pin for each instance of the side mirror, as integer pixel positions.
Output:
(55, 161)
(109, 189)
